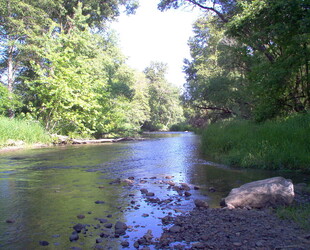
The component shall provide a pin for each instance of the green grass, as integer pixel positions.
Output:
(298, 213)
(29, 132)
(280, 144)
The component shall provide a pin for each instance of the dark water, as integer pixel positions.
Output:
(43, 190)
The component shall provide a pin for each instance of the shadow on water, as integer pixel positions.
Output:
(43, 190)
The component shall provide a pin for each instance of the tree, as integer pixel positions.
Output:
(18, 21)
(216, 86)
(164, 99)
(256, 48)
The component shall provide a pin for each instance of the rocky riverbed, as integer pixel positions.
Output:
(200, 228)
(217, 228)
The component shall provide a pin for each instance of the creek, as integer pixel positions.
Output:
(42, 191)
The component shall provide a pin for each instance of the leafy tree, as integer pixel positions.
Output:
(277, 33)
(215, 87)
(69, 90)
(251, 58)
(18, 21)
(164, 99)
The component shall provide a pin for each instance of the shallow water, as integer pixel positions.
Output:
(43, 190)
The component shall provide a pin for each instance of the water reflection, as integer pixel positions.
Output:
(44, 190)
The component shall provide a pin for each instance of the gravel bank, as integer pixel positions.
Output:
(219, 228)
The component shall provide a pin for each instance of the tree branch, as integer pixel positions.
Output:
(219, 14)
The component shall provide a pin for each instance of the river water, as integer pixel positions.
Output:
(43, 190)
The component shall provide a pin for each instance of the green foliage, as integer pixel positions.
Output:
(63, 65)
(215, 88)
(21, 130)
(298, 213)
(164, 102)
(182, 126)
(250, 59)
(280, 144)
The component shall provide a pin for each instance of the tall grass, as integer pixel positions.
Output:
(29, 132)
(279, 144)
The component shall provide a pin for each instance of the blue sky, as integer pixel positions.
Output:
(151, 35)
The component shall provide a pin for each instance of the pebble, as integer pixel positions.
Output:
(99, 202)
(78, 227)
(10, 221)
(108, 225)
(201, 204)
(80, 216)
(125, 244)
(44, 243)
(74, 237)
(144, 191)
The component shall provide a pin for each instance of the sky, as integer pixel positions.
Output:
(151, 35)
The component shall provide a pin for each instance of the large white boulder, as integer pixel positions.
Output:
(270, 192)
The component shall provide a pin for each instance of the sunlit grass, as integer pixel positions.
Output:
(280, 144)
(29, 132)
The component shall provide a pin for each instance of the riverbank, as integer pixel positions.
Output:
(18, 133)
(281, 144)
(218, 228)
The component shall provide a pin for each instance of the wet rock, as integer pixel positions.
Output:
(116, 181)
(148, 236)
(80, 216)
(43, 243)
(128, 181)
(136, 244)
(101, 187)
(104, 235)
(212, 189)
(10, 221)
(145, 215)
(150, 194)
(78, 227)
(120, 228)
(153, 178)
(131, 178)
(196, 187)
(201, 204)
(187, 194)
(99, 202)
(170, 183)
(74, 237)
(169, 177)
(154, 200)
(144, 191)
(270, 192)
(119, 232)
(143, 181)
(108, 225)
(185, 186)
(103, 220)
(125, 244)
